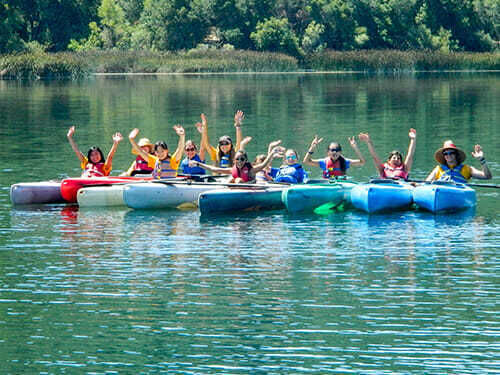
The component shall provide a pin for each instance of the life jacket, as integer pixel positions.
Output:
(394, 172)
(163, 169)
(243, 173)
(453, 174)
(225, 161)
(290, 173)
(186, 169)
(332, 168)
(141, 165)
(94, 170)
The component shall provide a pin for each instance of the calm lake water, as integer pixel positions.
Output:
(122, 291)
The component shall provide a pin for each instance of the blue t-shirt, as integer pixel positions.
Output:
(293, 174)
(186, 169)
(322, 164)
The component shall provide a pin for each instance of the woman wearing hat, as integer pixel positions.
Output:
(139, 165)
(225, 152)
(394, 167)
(451, 167)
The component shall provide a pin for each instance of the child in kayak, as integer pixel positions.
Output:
(94, 164)
(335, 164)
(264, 176)
(192, 153)
(139, 165)
(225, 152)
(164, 165)
(290, 171)
(452, 168)
(242, 170)
(394, 167)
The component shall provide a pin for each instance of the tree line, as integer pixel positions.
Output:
(293, 27)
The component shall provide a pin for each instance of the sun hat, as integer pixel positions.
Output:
(449, 145)
(143, 142)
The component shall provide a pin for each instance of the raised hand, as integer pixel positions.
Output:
(117, 137)
(192, 163)
(412, 134)
(133, 133)
(199, 127)
(478, 152)
(316, 141)
(274, 143)
(238, 118)
(203, 119)
(179, 130)
(352, 141)
(278, 152)
(365, 137)
(245, 141)
(71, 131)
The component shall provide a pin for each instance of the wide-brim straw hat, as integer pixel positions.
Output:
(143, 142)
(449, 145)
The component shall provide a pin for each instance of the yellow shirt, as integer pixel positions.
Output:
(160, 167)
(212, 152)
(105, 168)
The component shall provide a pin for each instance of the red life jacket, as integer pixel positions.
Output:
(243, 173)
(332, 168)
(94, 170)
(394, 172)
(142, 165)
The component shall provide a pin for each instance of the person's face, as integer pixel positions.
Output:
(450, 156)
(334, 151)
(95, 156)
(190, 151)
(240, 160)
(290, 157)
(225, 146)
(161, 152)
(395, 160)
(146, 149)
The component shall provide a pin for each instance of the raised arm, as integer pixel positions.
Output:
(200, 127)
(131, 137)
(484, 173)
(273, 145)
(78, 153)
(274, 153)
(244, 143)
(182, 142)
(212, 152)
(307, 157)
(365, 137)
(411, 149)
(194, 163)
(361, 160)
(238, 119)
(117, 138)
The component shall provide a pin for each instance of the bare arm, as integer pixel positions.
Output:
(78, 153)
(193, 163)
(484, 173)
(274, 153)
(182, 141)
(199, 127)
(238, 119)
(307, 158)
(365, 137)
(411, 150)
(432, 176)
(361, 160)
(135, 146)
(117, 138)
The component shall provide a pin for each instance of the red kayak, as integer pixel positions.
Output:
(70, 186)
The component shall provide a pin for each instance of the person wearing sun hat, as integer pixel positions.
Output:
(139, 165)
(451, 164)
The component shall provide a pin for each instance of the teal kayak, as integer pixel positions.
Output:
(444, 197)
(382, 196)
(305, 198)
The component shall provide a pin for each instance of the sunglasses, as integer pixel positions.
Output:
(292, 157)
(447, 153)
(334, 149)
(190, 149)
(224, 143)
(241, 159)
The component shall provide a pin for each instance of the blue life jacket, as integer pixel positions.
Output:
(293, 174)
(225, 161)
(186, 169)
(454, 174)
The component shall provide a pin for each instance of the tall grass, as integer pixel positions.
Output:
(75, 65)
(402, 61)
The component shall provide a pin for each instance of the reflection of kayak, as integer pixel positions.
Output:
(70, 186)
(44, 192)
(382, 196)
(444, 197)
(101, 196)
(303, 198)
(241, 199)
(156, 195)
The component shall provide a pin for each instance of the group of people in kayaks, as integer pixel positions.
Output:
(231, 159)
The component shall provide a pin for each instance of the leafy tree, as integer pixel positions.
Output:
(11, 24)
(311, 41)
(276, 35)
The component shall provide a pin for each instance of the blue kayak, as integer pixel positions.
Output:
(382, 196)
(305, 198)
(444, 197)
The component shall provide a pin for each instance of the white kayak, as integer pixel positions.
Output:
(101, 196)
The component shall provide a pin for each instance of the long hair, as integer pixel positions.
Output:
(397, 153)
(341, 158)
(95, 148)
(247, 162)
(163, 145)
(220, 153)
